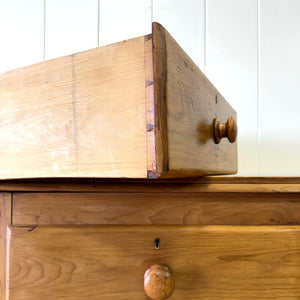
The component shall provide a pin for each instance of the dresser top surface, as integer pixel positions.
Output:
(201, 185)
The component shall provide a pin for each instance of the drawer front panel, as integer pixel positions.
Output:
(156, 208)
(192, 105)
(109, 262)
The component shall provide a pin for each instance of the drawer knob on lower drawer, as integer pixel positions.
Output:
(228, 129)
(159, 283)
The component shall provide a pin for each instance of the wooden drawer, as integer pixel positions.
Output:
(139, 108)
(109, 262)
(161, 208)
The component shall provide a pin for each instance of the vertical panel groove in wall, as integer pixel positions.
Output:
(98, 24)
(258, 91)
(204, 33)
(151, 11)
(44, 37)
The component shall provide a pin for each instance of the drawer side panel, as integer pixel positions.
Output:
(82, 115)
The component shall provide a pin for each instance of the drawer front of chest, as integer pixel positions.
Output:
(109, 261)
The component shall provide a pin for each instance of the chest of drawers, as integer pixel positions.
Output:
(136, 109)
(222, 238)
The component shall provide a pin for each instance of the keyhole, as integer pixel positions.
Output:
(156, 243)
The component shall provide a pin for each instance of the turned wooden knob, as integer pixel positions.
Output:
(228, 129)
(159, 283)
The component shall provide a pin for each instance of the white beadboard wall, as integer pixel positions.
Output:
(249, 49)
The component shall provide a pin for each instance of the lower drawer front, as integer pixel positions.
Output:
(109, 262)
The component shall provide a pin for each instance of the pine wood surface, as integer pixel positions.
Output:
(5, 220)
(261, 260)
(81, 115)
(152, 163)
(192, 103)
(105, 262)
(159, 283)
(134, 109)
(160, 99)
(159, 208)
(228, 184)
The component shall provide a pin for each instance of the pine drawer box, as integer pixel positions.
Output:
(138, 109)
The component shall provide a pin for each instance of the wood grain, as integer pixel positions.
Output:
(160, 99)
(150, 109)
(163, 208)
(270, 185)
(82, 115)
(136, 109)
(192, 105)
(207, 262)
(159, 283)
(5, 220)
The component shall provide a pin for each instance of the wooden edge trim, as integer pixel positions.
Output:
(150, 119)
(150, 187)
(5, 221)
(32, 229)
(7, 257)
(185, 185)
(160, 100)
